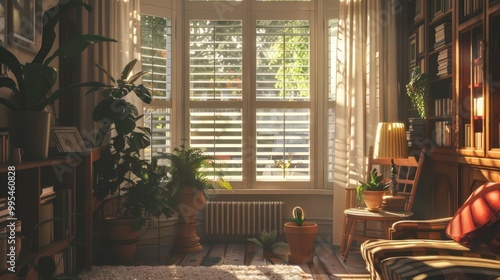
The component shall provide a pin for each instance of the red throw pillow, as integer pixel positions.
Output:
(475, 221)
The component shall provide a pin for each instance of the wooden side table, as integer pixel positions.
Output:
(355, 215)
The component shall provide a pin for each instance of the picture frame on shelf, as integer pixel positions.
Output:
(412, 50)
(67, 139)
(25, 24)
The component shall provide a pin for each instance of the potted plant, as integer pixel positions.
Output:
(267, 241)
(418, 91)
(373, 191)
(140, 190)
(300, 236)
(189, 171)
(32, 87)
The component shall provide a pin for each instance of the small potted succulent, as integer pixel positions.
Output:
(373, 191)
(300, 236)
(267, 241)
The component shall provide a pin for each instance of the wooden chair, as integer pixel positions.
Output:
(407, 180)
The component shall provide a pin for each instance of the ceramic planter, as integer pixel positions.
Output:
(301, 241)
(122, 235)
(30, 130)
(373, 200)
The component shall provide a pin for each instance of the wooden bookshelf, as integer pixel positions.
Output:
(462, 59)
(29, 178)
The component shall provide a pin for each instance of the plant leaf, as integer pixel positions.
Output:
(74, 88)
(50, 19)
(77, 45)
(106, 72)
(9, 83)
(7, 104)
(136, 76)
(128, 68)
(143, 93)
(9, 59)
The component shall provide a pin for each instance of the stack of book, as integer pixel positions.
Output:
(416, 131)
(4, 145)
(444, 62)
(393, 203)
(442, 35)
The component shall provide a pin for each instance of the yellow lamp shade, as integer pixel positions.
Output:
(391, 141)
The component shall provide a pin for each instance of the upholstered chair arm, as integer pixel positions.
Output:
(420, 229)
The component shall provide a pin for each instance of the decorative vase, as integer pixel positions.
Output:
(191, 201)
(373, 200)
(30, 130)
(123, 237)
(300, 241)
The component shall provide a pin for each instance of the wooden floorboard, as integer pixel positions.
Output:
(326, 265)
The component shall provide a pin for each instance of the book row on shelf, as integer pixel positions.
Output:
(478, 137)
(478, 70)
(470, 7)
(443, 107)
(439, 7)
(416, 131)
(442, 133)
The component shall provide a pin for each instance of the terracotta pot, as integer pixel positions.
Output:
(300, 241)
(373, 200)
(191, 201)
(30, 131)
(122, 236)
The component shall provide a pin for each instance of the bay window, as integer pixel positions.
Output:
(249, 89)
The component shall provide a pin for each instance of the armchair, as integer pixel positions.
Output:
(426, 247)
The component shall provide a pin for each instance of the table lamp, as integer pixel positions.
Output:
(390, 142)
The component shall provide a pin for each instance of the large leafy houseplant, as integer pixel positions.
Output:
(34, 81)
(121, 169)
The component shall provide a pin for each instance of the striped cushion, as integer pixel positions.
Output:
(439, 267)
(375, 251)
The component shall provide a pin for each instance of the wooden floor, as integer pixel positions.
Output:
(326, 264)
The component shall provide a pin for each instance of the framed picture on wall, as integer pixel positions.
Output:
(67, 139)
(25, 23)
(412, 50)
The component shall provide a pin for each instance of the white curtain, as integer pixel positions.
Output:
(120, 20)
(366, 89)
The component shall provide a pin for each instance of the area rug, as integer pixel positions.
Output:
(230, 272)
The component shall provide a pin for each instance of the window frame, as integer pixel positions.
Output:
(182, 12)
